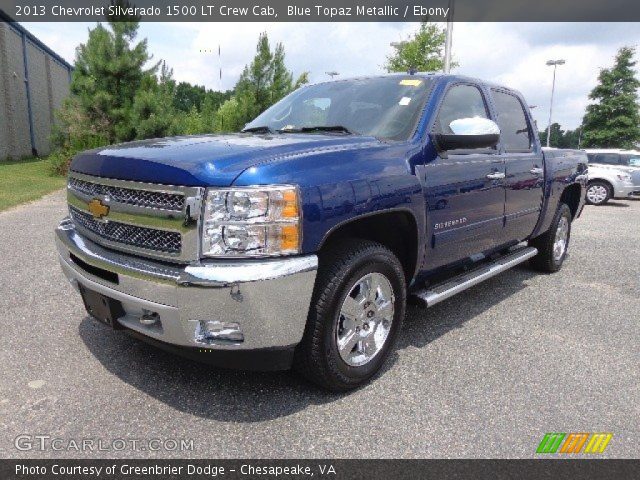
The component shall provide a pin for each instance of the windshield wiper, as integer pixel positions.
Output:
(260, 129)
(319, 128)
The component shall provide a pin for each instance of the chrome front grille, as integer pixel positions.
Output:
(129, 196)
(140, 237)
(145, 219)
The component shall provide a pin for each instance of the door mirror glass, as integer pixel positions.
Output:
(469, 134)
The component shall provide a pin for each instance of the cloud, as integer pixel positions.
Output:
(513, 54)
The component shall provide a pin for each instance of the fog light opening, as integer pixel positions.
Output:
(213, 331)
(149, 318)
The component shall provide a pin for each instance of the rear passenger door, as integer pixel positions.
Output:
(524, 168)
(464, 189)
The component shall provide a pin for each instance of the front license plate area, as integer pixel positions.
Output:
(102, 308)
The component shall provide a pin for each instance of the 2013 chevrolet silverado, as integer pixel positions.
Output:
(298, 241)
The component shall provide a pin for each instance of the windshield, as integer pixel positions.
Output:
(383, 107)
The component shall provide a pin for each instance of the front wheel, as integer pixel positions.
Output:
(553, 244)
(598, 193)
(357, 310)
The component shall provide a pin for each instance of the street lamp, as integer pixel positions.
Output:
(555, 64)
(448, 39)
(332, 74)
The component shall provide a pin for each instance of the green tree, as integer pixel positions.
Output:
(188, 96)
(613, 120)
(264, 81)
(561, 138)
(153, 115)
(231, 116)
(557, 136)
(423, 51)
(109, 71)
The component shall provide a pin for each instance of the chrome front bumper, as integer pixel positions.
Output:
(269, 299)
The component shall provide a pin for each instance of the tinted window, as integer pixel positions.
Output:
(462, 101)
(514, 128)
(606, 158)
(631, 159)
(385, 107)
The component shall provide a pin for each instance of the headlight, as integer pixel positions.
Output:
(251, 221)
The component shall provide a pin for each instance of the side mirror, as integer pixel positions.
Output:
(468, 134)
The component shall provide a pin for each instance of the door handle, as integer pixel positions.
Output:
(496, 176)
(537, 171)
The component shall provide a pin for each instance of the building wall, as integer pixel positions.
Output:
(48, 86)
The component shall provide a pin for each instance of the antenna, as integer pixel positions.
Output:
(219, 68)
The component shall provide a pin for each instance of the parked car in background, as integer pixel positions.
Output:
(607, 182)
(627, 160)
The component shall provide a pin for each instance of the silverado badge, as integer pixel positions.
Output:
(98, 209)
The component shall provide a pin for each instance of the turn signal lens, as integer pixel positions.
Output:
(290, 204)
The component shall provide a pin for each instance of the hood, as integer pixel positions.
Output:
(207, 160)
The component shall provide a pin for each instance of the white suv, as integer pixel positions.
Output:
(627, 160)
(606, 182)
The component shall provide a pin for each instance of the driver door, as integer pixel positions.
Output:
(464, 190)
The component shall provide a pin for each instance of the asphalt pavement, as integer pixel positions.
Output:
(484, 374)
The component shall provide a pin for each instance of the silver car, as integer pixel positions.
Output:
(627, 160)
(607, 182)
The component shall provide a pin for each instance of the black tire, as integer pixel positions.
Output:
(600, 185)
(546, 260)
(317, 357)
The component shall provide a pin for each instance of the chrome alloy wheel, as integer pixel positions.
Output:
(560, 242)
(597, 193)
(365, 319)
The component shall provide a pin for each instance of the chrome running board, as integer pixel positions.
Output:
(437, 293)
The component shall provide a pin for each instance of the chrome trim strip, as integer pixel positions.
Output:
(209, 274)
(121, 264)
(155, 187)
(126, 208)
(220, 274)
(185, 222)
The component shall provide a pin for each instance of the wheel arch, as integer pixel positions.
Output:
(571, 196)
(396, 229)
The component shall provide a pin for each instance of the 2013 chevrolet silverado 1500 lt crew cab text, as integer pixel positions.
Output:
(297, 242)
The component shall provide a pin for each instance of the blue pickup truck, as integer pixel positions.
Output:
(297, 242)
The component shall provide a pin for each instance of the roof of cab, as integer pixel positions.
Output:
(437, 75)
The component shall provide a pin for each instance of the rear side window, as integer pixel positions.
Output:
(515, 134)
(606, 158)
(631, 160)
(461, 101)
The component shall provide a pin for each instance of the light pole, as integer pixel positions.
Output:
(555, 64)
(332, 74)
(448, 39)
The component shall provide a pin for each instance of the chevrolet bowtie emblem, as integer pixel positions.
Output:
(98, 209)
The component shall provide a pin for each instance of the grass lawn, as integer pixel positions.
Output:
(26, 180)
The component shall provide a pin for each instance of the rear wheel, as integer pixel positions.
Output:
(598, 193)
(553, 244)
(357, 310)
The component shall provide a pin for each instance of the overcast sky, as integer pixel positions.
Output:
(513, 54)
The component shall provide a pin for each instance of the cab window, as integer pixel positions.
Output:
(461, 101)
(515, 134)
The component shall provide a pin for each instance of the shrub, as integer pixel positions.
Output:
(58, 162)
